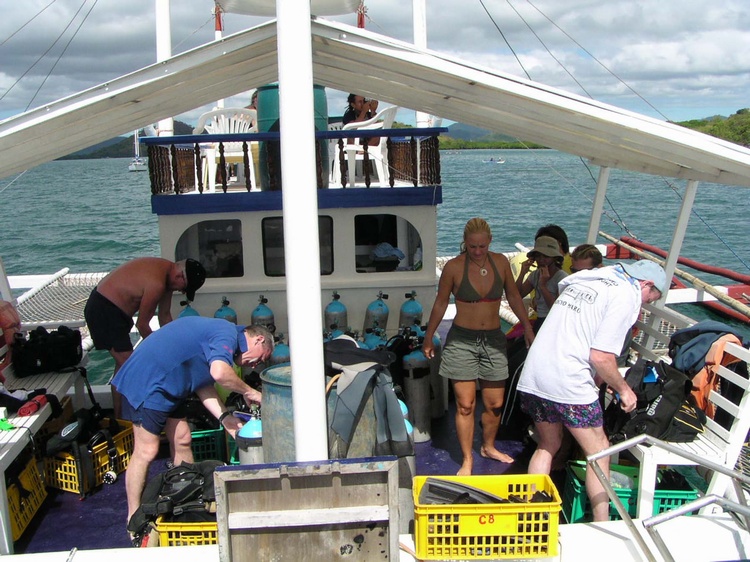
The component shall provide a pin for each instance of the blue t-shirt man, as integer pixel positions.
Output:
(174, 362)
(186, 356)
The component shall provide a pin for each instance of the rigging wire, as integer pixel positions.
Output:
(62, 53)
(598, 61)
(196, 30)
(549, 52)
(11, 182)
(709, 227)
(4, 41)
(500, 31)
(45, 52)
(617, 219)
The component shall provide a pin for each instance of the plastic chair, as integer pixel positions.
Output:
(227, 120)
(718, 443)
(378, 154)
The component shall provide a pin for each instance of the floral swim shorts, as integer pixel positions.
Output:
(570, 415)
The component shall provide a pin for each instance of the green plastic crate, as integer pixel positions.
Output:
(232, 452)
(209, 444)
(575, 504)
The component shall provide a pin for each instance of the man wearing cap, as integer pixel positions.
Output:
(181, 359)
(544, 279)
(140, 286)
(575, 349)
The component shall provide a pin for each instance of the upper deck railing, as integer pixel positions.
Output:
(176, 163)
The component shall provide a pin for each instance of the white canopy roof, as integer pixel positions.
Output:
(350, 59)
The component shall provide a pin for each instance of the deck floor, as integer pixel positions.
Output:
(98, 521)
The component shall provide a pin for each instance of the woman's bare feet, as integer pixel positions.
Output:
(466, 467)
(494, 454)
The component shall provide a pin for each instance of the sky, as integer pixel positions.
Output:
(688, 59)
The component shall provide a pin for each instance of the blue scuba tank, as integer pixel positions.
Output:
(411, 311)
(188, 310)
(280, 351)
(374, 337)
(226, 312)
(376, 315)
(335, 315)
(263, 315)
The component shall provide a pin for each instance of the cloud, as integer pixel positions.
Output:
(687, 57)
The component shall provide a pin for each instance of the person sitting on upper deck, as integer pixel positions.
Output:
(544, 279)
(360, 109)
(475, 348)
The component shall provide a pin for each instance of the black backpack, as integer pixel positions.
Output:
(665, 408)
(181, 493)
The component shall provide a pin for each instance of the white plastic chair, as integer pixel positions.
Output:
(378, 154)
(716, 443)
(227, 120)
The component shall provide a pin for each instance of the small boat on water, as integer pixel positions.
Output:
(493, 161)
(238, 231)
(137, 164)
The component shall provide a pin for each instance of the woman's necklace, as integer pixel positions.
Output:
(482, 269)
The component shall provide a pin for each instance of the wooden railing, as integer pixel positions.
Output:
(176, 163)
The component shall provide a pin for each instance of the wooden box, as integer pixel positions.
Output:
(343, 509)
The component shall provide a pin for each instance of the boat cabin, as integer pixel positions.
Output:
(377, 235)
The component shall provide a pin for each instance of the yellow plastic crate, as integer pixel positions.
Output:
(489, 531)
(61, 471)
(23, 509)
(186, 534)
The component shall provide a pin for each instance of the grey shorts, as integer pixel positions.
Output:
(474, 354)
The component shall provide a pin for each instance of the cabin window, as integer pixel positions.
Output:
(273, 246)
(217, 244)
(386, 242)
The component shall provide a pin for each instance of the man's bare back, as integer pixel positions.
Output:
(140, 279)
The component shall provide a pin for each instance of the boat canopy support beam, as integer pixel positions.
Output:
(598, 206)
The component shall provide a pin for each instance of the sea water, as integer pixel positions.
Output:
(92, 215)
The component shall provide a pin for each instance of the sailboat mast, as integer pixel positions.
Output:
(136, 145)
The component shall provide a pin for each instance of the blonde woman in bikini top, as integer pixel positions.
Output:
(475, 348)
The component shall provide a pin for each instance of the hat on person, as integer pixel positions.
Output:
(546, 245)
(195, 274)
(646, 270)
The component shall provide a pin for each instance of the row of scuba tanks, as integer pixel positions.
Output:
(337, 324)
(410, 369)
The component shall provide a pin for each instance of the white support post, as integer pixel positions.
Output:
(597, 207)
(301, 251)
(681, 227)
(163, 52)
(670, 264)
(419, 16)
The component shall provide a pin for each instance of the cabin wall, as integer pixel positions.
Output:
(352, 277)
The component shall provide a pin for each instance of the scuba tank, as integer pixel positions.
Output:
(188, 310)
(374, 337)
(335, 315)
(226, 312)
(411, 311)
(280, 351)
(376, 315)
(263, 315)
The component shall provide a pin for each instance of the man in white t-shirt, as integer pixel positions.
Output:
(576, 347)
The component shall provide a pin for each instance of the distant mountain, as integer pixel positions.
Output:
(468, 133)
(120, 147)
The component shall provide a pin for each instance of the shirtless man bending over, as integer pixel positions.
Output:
(140, 286)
